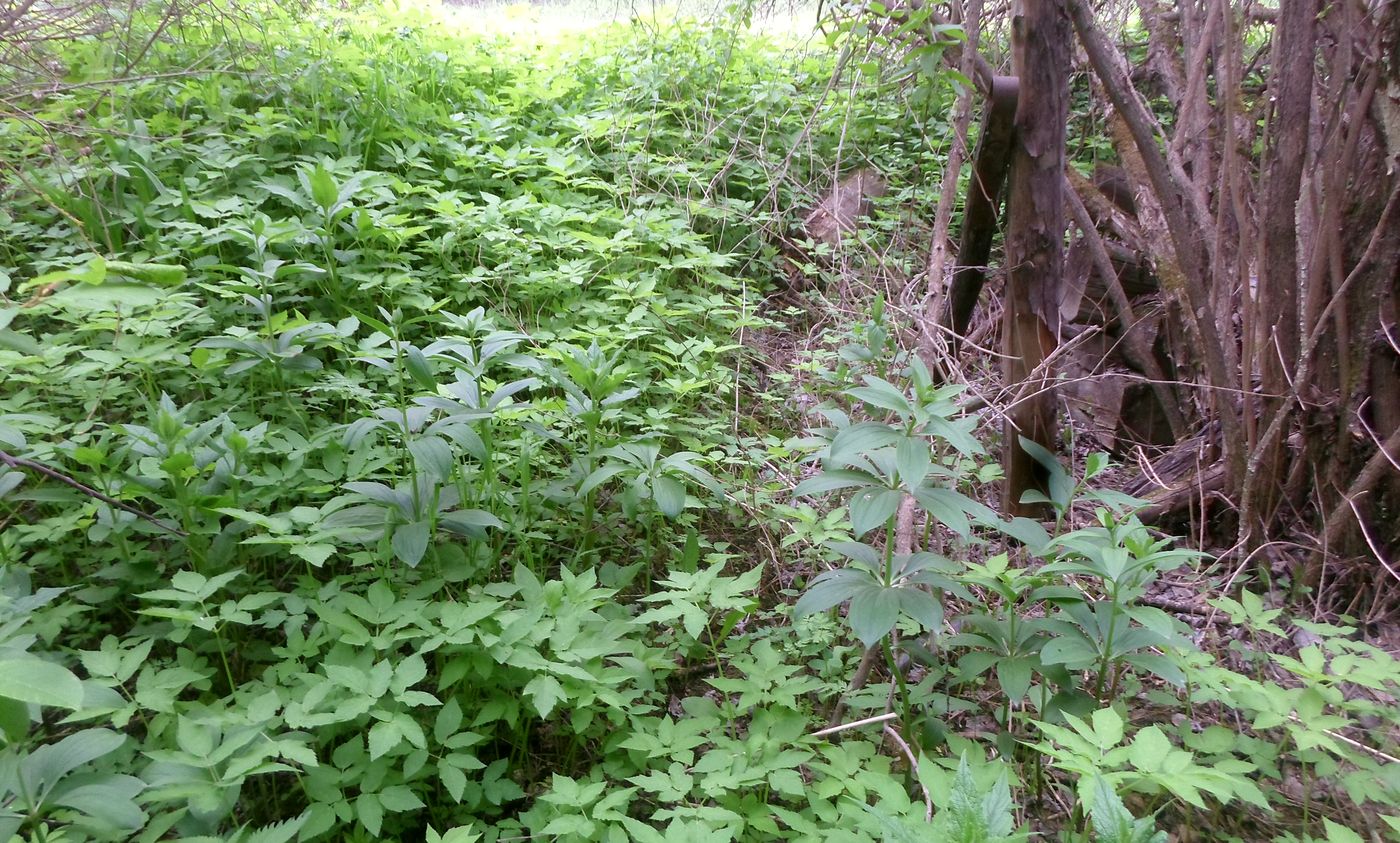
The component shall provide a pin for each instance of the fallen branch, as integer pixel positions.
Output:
(53, 474)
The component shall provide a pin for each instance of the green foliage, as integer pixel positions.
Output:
(1113, 823)
(422, 490)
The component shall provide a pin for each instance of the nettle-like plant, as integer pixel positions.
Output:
(1093, 750)
(1058, 620)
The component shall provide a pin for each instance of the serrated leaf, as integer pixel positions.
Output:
(370, 813)
(449, 720)
(1108, 727)
(398, 798)
(569, 826)
(544, 692)
(383, 738)
(1148, 749)
(278, 832)
(787, 781)
(315, 554)
(453, 779)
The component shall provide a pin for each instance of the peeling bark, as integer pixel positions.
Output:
(1035, 241)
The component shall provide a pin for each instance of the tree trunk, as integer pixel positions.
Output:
(1276, 343)
(1035, 241)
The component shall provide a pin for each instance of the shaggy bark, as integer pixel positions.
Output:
(1035, 241)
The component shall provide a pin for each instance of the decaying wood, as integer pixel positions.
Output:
(838, 214)
(1113, 183)
(1138, 350)
(1279, 274)
(1184, 218)
(981, 209)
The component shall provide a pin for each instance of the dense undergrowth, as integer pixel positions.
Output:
(384, 460)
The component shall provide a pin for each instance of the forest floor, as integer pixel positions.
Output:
(435, 424)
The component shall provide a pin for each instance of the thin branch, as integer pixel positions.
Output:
(854, 724)
(1370, 541)
(53, 474)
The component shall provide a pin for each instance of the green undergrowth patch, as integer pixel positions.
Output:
(382, 458)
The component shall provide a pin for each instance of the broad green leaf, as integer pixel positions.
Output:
(21, 343)
(1070, 650)
(36, 681)
(454, 781)
(1014, 676)
(324, 192)
(859, 552)
(419, 369)
(1108, 727)
(1339, 833)
(384, 737)
(921, 606)
(1148, 749)
(92, 272)
(469, 522)
(459, 834)
(669, 494)
(861, 439)
(432, 455)
(882, 394)
(398, 798)
(370, 813)
(315, 554)
(448, 721)
(834, 479)
(871, 508)
(545, 692)
(109, 799)
(831, 589)
(599, 476)
(872, 613)
(912, 459)
(947, 507)
(410, 542)
(49, 764)
(113, 295)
